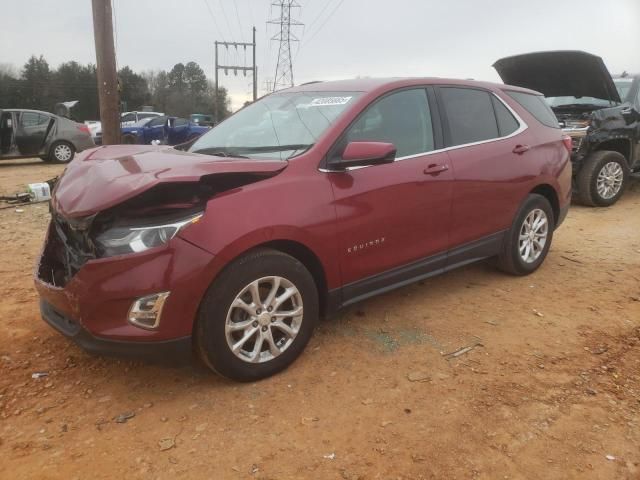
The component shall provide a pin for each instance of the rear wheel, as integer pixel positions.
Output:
(61, 152)
(257, 316)
(128, 139)
(528, 241)
(602, 179)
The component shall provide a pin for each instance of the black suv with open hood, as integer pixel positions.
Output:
(600, 114)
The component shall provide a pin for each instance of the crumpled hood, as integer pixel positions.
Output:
(561, 73)
(104, 177)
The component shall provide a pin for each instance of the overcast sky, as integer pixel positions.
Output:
(340, 39)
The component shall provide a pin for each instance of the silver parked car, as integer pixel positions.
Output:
(32, 133)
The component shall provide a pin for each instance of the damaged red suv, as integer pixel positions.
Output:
(306, 201)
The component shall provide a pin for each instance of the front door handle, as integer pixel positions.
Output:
(435, 169)
(520, 149)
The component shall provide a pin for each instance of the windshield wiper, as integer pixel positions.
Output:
(274, 148)
(218, 152)
(580, 105)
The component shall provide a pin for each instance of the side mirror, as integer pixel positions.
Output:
(362, 154)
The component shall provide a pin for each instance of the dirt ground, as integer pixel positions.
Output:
(551, 388)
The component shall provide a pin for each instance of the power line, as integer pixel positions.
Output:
(213, 17)
(325, 22)
(235, 4)
(313, 22)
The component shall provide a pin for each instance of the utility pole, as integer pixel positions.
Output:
(284, 67)
(235, 68)
(109, 97)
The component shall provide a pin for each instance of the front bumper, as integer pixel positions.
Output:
(92, 306)
(176, 351)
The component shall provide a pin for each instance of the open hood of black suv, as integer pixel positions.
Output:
(561, 73)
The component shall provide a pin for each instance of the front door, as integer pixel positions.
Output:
(155, 130)
(7, 148)
(177, 131)
(393, 219)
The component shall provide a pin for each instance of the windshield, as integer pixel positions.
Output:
(556, 102)
(623, 85)
(281, 125)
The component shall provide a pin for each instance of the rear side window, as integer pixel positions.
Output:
(507, 123)
(536, 106)
(470, 114)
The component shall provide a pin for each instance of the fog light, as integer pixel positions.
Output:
(146, 311)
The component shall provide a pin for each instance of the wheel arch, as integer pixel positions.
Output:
(548, 192)
(620, 145)
(309, 259)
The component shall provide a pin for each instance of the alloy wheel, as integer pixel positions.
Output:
(533, 235)
(63, 152)
(264, 319)
(610, 180)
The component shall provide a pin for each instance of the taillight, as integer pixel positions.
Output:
(83, 128)
(568, 143)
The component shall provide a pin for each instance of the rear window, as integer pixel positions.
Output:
(536, 106)
(470, 114)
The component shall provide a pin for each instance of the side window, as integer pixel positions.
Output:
(180, 122)
(43, 119)
(402, 118)
(638, 98)
(146, 115)
(129, 117)
(29, 119)
(470, 115)
(157, 121)
(536, 106)
(507, 123)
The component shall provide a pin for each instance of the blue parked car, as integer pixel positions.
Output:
(165, 130)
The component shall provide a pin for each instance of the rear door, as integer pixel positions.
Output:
(31, 132)
(486, 141)
(393, 219)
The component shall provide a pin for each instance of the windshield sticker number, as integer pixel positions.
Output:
(327, 101)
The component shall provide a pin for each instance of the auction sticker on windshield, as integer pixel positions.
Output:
(323, 102)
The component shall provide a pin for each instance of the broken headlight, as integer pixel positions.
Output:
(121, 239)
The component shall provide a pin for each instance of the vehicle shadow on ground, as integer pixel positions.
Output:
(9, 163)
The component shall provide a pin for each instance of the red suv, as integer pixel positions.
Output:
(306, 201)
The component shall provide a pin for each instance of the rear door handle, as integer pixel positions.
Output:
(520, 149)
(435, 169)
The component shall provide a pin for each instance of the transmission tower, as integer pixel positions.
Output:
(284, 67)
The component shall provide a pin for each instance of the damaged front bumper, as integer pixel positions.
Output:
(91, 303)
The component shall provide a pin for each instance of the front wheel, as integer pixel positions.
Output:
(257, 316)
(602, 179)
(527, 243)
(61, 152)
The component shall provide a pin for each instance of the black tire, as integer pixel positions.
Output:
(587, 178)
(211, 340)
(510, 259)
(61, 155)
(128, 140)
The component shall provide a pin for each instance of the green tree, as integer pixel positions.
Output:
(36, 84)
(72, 81)
(134, 91)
